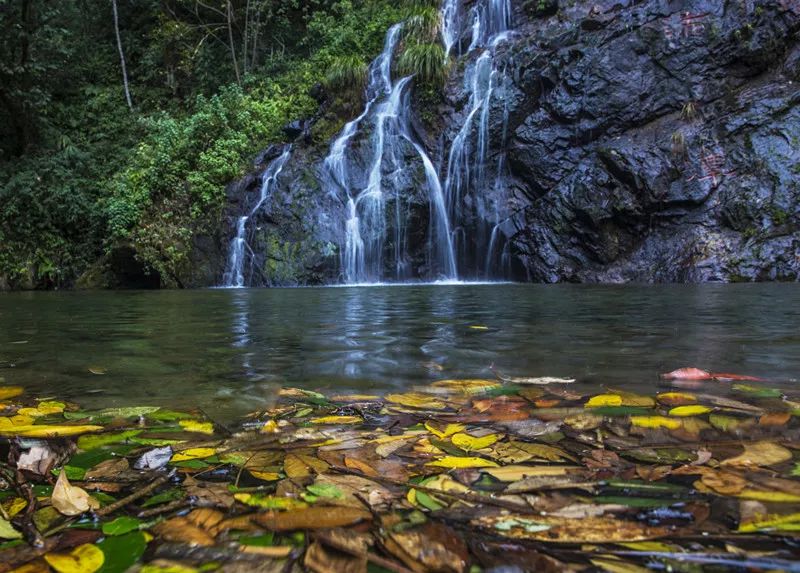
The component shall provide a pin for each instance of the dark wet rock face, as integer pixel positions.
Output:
(658, 142)
(635, 140)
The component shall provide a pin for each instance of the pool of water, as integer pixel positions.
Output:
(227, 351)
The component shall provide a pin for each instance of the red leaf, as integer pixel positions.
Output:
(688, 374)
(727, 377)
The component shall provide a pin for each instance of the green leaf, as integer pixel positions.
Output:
(168, 415)
(92, 442)
(265, 540)
(122, 551)
(613, 411)
(7, 531)
(121, 525)
(634, 501)
(163, 497)
(325, 490)
(427, 501)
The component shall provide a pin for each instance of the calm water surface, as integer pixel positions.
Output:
(228, 350)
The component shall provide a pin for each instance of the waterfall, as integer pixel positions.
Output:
(239, 252)
(469, 150)
(387, 111)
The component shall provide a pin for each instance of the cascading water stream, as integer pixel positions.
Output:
(468, 154)
(239, 250)
(387, 110)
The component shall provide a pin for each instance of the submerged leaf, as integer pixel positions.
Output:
(760, 454)
(458, 462)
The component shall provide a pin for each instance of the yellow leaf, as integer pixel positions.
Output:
(516, 473)
(416, 400)
(9, 421)
(448, 430)
(355, 398)
(790, 522)
(469, 443)
(655, 422)
(760, 454)
(266, 476)
(45, 431)
(71, 500)
(337, 420)
(604, 400)
(695, 410)
(468, 386)
(770, 496)
(458, 462)
(297, 466)
(676, 398)
(478, 327)
(86, 558)
(10, 391)
(43, 409)
(193, 454)
(196, 426)
(13, 506)
(270, 427)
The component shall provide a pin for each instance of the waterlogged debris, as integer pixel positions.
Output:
(326, 488)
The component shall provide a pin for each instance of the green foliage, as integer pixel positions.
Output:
(346, 73)
(423, 25)
(425, 61)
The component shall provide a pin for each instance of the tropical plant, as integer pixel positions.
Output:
(426, 61)
(346, 73)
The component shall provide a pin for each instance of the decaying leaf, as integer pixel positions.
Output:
(312, 518)
(760, 454)
(566, 530)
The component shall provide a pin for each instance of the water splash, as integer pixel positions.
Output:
(239, 252)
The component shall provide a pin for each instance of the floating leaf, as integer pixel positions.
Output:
(98, 441)
(122, 552)
(45, 408)
(416, 400)
(760, 454)
(10, 391)
(457, 462)
(468, 387)
(7, 531)
(445, 432)
(337, 420)
(86, 558)
(655, 422)
(193, 454)
(44, 430)
(311, 518)
(71, 500)
(676, 398)
(197, 426)
(687, 374)
(470, 443)
(121, 525)
(269, 501)
(516, 473)
(694, 410)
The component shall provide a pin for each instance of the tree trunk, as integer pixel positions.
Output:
(121, 56)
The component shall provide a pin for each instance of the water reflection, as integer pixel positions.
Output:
(228, 350)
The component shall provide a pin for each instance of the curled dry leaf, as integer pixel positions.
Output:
(71, 500)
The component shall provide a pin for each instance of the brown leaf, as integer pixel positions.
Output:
(421, 553)
(312, 518)
(363, 467)
(301, 466)
(205, 518)
(182, 530)
(775, 419)
(322, 559)
(209, 494)
(107, 469)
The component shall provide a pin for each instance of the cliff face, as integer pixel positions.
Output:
(627, 141)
